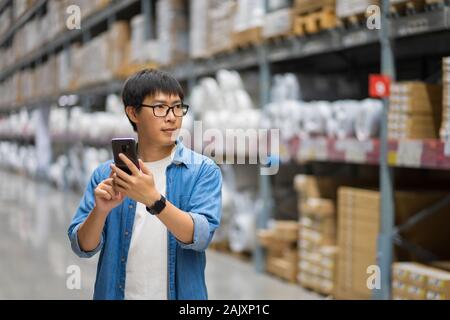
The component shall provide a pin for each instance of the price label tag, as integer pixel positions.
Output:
(410, 153)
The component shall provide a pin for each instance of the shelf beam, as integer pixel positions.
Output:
(387, 214)
(21, 20)
(265, 190)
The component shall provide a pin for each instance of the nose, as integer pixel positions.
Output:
(170, 117)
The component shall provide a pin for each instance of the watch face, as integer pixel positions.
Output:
(158, 206)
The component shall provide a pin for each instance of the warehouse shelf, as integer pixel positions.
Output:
(288, 49)
(105, 88)
(17, 24)
(67, 36)
(339, 39)
(418, 31)
(71, 139)
(424, 154)
(4, 4)
(25, 139)
(68, 139)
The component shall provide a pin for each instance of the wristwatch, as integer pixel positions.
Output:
(158, 206)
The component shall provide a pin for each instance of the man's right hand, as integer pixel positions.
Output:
(106, 198)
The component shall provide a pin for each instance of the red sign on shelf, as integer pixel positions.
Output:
(379, 86)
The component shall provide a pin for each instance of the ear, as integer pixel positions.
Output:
(131, 113)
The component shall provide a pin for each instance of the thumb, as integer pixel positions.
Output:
(143, 167)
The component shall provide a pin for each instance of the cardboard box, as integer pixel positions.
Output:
(316, 186)
(317, 207)
(324, 226)
(306, 6)
(423, 282)
(287, 230)
(278, 23)
(346, 8)
(282, 268)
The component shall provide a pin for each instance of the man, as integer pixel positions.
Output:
(153, 226)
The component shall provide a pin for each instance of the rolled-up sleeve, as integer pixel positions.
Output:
(84, 209)
(205, 205)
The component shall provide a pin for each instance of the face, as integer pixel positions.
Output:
(161, 131)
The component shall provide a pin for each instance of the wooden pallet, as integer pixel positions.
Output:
(131, 68)
(279, 37)
(352, 20)
(302, 7)
(247, 38)
(314, 22)
(407, 7)
(223, 247)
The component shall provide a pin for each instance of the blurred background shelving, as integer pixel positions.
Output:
(298, 66)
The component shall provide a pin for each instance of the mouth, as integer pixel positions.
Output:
(170, 130)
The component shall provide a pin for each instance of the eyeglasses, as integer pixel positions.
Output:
(162, 110)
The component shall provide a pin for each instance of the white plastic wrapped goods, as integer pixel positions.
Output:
(58, 121)
(229, 80)
(242, 232)
(346, 8)
(249, 14)
(345, 114)
(212, 97)
(313, 122)
(285, 87)
(199, 28)
(368, 120)
(137, 38)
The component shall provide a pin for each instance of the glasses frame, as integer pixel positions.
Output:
(170, 108)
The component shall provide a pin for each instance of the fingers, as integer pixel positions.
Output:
(119, 182)
(121, 191)
(143, 167)
(110, 180)
(103, 194)
(120, 173)
(110, 190)
(129, 163)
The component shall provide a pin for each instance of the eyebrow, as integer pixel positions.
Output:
(165, 102)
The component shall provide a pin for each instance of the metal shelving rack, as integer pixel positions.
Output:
(262, 57)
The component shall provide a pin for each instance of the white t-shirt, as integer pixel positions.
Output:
(146, 270)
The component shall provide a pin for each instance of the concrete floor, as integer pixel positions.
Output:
(36, 259)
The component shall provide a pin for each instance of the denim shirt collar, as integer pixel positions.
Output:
(181, 156)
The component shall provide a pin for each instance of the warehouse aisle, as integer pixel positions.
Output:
(37, 262)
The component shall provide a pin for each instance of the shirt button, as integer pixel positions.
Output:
(130, 206)
(126, 233)
(123, 259)
(120, 287)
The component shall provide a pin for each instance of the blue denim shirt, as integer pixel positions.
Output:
(193, 184)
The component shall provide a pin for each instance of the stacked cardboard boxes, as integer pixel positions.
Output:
(221, 15)
(278, 23)
(248, 23)
(317, 237)
(199, 28)
(281, 245)
(172, 29)
(445, 127)
(5, 20)
(348, 8)
(415, 110)
(358, 226)
(414, 281)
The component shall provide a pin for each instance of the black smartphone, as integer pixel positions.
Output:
(127, 146)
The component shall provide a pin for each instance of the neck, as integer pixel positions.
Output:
(150, 152)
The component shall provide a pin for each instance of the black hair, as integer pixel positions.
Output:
(148, 82)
